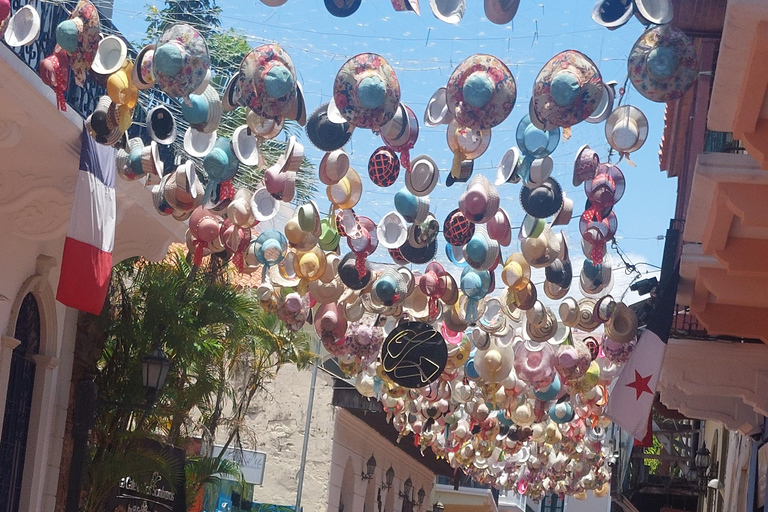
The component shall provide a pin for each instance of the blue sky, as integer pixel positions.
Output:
(423, 51)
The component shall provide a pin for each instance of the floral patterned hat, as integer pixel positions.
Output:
(568, 89)
(366, 92)
(481, 92)
(79, 36)
(181, 61)
(268, 81)
(662, 64)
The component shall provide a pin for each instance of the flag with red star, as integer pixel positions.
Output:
(632, 398)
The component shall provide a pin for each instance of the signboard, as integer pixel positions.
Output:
(251, 462)
(156, 494)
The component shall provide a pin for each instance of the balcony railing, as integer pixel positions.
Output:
(722, 142)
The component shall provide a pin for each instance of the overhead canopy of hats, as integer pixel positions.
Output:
(478, 369)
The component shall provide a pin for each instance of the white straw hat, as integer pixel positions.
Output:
(110, 55)
(23, 27)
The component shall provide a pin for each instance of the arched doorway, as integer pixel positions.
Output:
(18, 404)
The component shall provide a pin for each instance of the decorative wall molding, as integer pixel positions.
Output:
(10, 133)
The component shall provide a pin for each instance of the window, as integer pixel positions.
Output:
(552, 503)
(18, 404)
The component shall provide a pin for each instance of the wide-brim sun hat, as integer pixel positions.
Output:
(141, 74)
(366, 92)
(268, 81)
(622, 326)
(626, 129)
(542, 201)
(181, 60)
(515, 270)
(585, 165)
(419, 255)
(663, 64)
(654, 12)
(85, 17)
(481, 92)
(612, 14)
(110, 55)
(480, 201)
(264, 206)
(501, 12)
(323, 133)
(161, 125)
(449, 11)
(246, 147)
(535, 142)
(506, 171)
(422, 179)
(567, 89)
(437, 111)
(347, 192)
(330, 324)
(23, 28)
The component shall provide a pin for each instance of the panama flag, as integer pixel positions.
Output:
(87, 260)
(632, 398)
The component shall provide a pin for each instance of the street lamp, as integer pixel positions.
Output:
(420, 495)
(702, 460)
(370, 467)
(407, 488)
(438, 506)
(389, 478)
(154, 370)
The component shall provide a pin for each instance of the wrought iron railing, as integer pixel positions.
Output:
(722, 142)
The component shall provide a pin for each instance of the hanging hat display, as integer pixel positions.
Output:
(506, 171)
(585, 166)
(481, 92)
(559, 273)
(663, 64)
(500, 228)
(626, 129)
(457, 229)
(203, 111)
(333, 167)
(79, 36)
(654, 12)
(412, 208)
(347, 191)
(110, 56)
(605, 107)
(414, 354)
(366, 92)
(392, 231)
(543, 249)
(481, 252)
(567, 89)
(534, 141)
(23, 28)
(180, 61)
(325, 134)
(606, 188)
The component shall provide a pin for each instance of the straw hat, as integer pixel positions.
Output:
(246, 147)
(515, 269)
(412, 208)
(654, 12)
(264, 206)
(606, 188)
(605, 107)
(481, 252)
(567, 89)
(230, 100)
(663, 64)
(585, 165)
(333, 167)
(626, 129)
(437, 111)
(330, 324)
(422, 179)
(480, 201)
(141, 74)
(449, 11)
(347, 192)
(23, 28)
(500, 228)
(622, 326)
(342, 8)
(506, 171)
(469, 143)
(161, 125)
(203, 111)
(542, 201)
(481, 92)
(197, 143)
(263, 128)
(366, 92)
(543, 249)
(239, 208)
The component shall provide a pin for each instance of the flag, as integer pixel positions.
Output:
(632, 398)
(87, 260)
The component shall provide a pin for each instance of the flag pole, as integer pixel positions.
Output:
(307, 425)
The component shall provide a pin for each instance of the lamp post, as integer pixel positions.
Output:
(154, 370)
(370, 467)
(421, 495)
(438, 506)
(389, 477)
(407, 488)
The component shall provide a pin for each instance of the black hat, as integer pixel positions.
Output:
(543, 201)
(342, 8)
(324, 133)
(350, 276)
(414, 354)
(419, 255)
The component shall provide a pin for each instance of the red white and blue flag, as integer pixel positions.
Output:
(87, 261)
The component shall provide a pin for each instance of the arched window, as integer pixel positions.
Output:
(18, 404)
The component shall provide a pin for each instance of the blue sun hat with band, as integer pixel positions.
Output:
(475, 284)
(412, 208)
(270, 247)
(268, 81)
